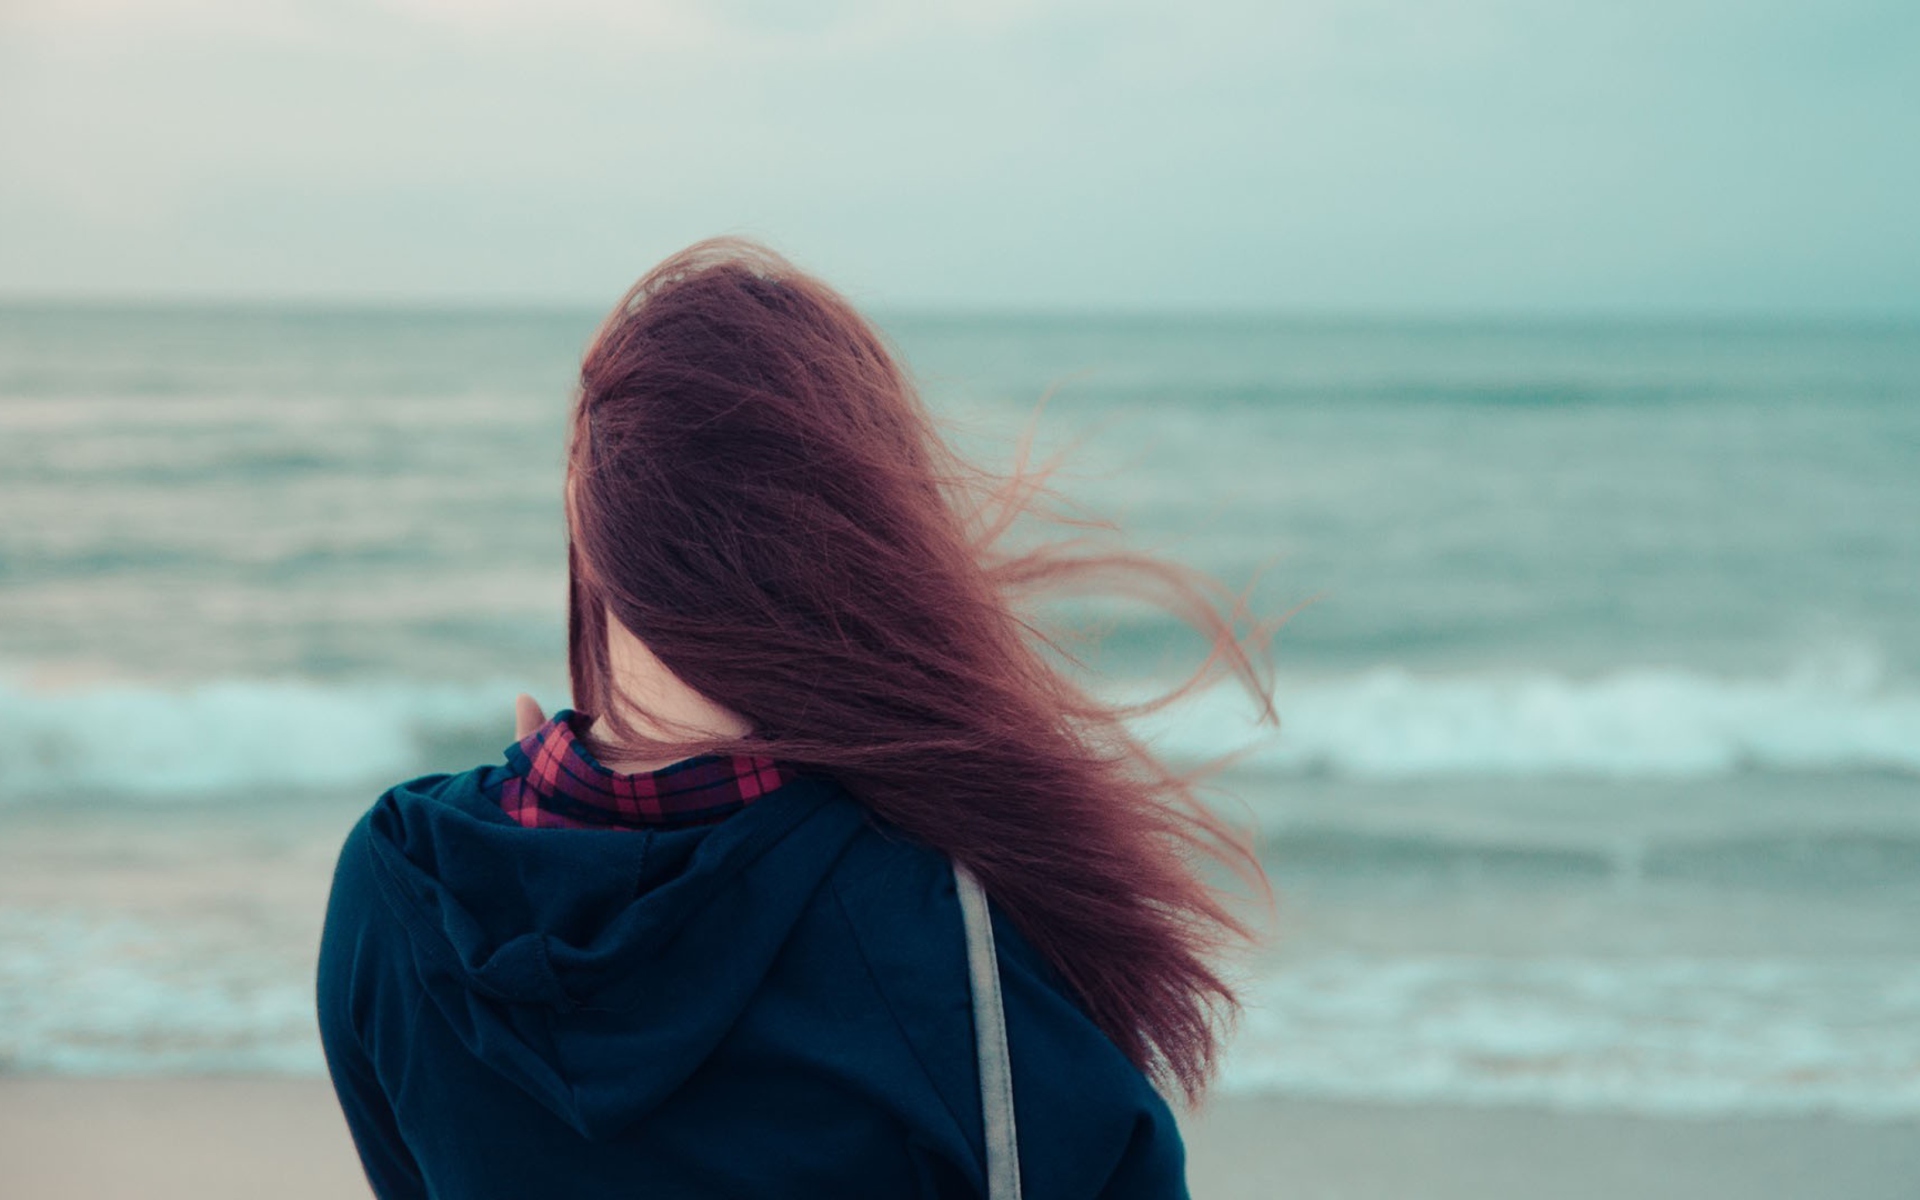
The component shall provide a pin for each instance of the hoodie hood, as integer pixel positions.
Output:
(598, 968)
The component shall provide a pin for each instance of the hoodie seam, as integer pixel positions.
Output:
(413, 1039)
(418, 932)
(853, 930)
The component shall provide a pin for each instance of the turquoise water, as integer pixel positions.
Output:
(334, 494)
(1599, 776)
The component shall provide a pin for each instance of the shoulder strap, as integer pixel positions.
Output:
(990, 1037)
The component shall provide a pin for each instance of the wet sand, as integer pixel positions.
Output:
(251, 1137)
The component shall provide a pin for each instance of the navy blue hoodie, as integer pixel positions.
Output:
(773, 1005)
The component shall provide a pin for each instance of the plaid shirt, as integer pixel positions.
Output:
(554, 783)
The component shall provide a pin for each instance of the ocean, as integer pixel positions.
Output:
(1597, 783)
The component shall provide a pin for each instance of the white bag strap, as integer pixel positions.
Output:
(990, 1037)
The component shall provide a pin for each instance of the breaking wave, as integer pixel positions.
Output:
(237, 736)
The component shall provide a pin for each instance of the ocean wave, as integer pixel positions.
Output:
(233, 737)
(92, 993)
(238, 736)
(1669, 1036)
(1830, 714)
(1658, 1036)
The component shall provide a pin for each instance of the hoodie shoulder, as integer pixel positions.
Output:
(360, 936)
(353, 899)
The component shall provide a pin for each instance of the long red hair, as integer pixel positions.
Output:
(757, 492)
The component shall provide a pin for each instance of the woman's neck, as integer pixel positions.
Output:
(639, 675)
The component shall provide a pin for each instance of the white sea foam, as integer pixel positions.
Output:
(236, 736)
(1648, 723)
(233, 736)
(1662, 1036)
(92, 993)
(89, 993)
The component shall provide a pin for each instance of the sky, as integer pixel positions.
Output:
(1372, 157)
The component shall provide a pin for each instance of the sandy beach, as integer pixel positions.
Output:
(251, 1137)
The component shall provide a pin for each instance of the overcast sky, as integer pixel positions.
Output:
(1370, 156)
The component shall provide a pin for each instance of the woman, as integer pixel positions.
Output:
(701, 937)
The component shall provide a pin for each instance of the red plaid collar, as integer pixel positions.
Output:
(556, 784)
